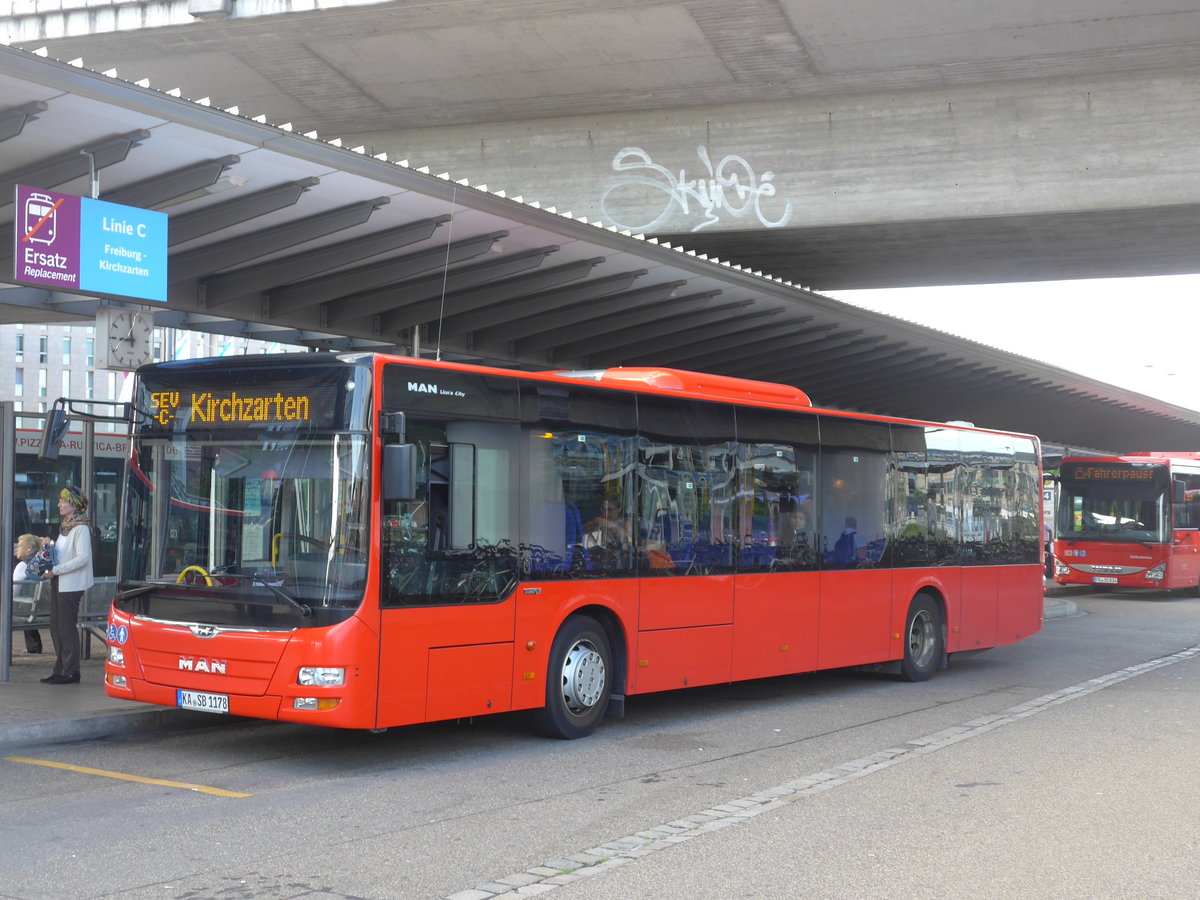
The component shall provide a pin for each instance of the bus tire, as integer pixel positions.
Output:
(924, 640)
(578, 680)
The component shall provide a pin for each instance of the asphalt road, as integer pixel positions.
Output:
(1060, 767)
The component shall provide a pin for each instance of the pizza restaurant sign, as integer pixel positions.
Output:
(114, 445)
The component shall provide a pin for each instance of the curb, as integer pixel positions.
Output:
(1057, 609)
(86, 728)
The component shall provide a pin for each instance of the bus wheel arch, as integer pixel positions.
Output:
(924, 637)
(581, 674)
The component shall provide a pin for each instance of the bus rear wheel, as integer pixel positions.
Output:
(578, 680)
(924, 641)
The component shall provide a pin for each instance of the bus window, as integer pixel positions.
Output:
(1187, 504)
(579, 500)
(688, 483)
(853, 465)
(777, 459)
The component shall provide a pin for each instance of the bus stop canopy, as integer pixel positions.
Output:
(288, 237)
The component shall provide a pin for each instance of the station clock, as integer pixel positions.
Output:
(123, 338)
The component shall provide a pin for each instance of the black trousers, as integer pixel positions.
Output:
(64, 630)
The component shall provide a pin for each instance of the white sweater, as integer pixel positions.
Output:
(74, 553)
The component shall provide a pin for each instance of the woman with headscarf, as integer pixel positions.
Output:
(72, 576)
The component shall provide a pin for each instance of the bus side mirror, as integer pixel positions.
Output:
(399, 472)
(1179, 494)
(53, 432)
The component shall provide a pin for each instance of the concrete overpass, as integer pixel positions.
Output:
(876, 144)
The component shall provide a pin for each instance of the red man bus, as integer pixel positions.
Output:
(1129, 521)
(365, 541)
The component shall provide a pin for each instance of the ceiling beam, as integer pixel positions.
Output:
(631, 321)
(541, 313)
(291, 298)
(153, 192)
(646, 350)
(615, 343)
(484, 295)
(219, 216)
(363, 306)
(542, 332)
(253, 280)
(755, 347)
(71, 164)
(188, 266)
(831, 346)
(14, 119)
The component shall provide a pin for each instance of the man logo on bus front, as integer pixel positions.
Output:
(211, 666)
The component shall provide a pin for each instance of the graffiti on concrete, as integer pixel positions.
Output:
(730, 187)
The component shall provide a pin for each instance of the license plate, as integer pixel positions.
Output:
(1103, 579)
(213, 703)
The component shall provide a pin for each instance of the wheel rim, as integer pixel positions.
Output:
(922, 638)
(583, 677)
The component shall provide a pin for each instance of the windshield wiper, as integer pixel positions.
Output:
(303, 608)
(145, 588)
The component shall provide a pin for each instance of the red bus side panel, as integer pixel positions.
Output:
(855, 617)
(776, 627)
(681, 601)
(976, 625)
(682, 657)
(1020, 603)
(1183, 570)
(408, 636)
(469, 681)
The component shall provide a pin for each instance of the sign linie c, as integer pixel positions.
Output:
(81, 245)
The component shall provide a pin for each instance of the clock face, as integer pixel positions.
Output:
(128, 338)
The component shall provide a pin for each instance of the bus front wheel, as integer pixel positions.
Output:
(924, 642)
(578, 680)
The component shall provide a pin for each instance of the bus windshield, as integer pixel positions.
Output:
(287, 516)
(247, 501)
(1112, 503)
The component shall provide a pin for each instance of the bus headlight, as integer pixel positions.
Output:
(320, 676)
(1157, 573)
(1061, 569)
(116, 655)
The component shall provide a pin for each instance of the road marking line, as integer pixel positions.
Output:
(84, 770)
(624, 850)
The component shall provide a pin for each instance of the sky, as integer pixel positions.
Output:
(1142, 334)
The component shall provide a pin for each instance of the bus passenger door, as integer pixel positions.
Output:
(1183, 526)
(449, 569)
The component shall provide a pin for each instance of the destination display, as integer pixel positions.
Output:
(232, 397)
(1109, 473)
(232, 407)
